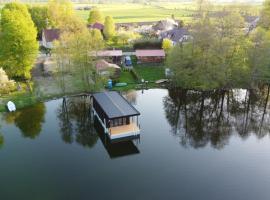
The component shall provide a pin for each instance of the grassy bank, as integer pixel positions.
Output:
(47, 87)
(149, 72)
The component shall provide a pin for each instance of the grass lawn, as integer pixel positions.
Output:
(150, 72)
(21, 99)
(126, 77)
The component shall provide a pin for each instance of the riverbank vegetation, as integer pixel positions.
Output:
(221, 53)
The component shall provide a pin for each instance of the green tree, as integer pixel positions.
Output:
(40, 17)
(167, 45)
(216, 57)
(73, 52)
(95, 15)
(97, 38)
(60, 11)
(265, 15)
(259, 60)
(18, 43)
(109, 27)
(6, 85)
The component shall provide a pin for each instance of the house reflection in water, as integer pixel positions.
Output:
(116, 148)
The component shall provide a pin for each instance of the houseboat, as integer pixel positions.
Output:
(117, 116)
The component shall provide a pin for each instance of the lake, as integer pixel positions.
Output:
(212, 145)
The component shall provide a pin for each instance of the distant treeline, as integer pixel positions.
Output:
(99, 1)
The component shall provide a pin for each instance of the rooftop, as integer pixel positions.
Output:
(110, 53)
(104, 65)
(150, 53)
(51, 34)
(115, 105)
(96, 25)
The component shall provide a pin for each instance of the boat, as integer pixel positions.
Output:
(116, 115)
(11, 106)
(162, 81)
(120, 84)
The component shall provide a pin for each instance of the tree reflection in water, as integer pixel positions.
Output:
(75, 121)
(1, 140)
(29, 120)
(200, 118)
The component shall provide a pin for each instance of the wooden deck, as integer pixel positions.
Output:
(125, 129)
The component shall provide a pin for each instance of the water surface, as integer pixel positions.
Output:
(192, 146)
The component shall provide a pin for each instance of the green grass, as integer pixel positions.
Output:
(126, 77)
(150, 73)
(138, 13)
(21, 100)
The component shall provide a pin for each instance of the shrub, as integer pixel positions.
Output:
(147, 43)
(167, 45)
(6, 85)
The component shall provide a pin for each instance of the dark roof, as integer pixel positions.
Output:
(115, 105)
(51, 34)
(175, 35)
(250, 19)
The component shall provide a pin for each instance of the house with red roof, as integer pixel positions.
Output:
(97, 26)
(49, 36)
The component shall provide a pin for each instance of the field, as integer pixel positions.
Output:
(139, 13)
(128, 12)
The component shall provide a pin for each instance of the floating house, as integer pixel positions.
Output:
(117, 116)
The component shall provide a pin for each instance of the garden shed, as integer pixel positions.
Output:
(150, 56)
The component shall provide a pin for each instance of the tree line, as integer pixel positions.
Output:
(222, 53)
(22, 25)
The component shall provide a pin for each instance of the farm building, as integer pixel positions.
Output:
(49, 36)
(150, 56)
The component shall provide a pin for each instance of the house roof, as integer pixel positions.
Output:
(109, 53)
(104, 65)
(164, 25)
(150, 53)
(96, 25)
(51, 34)
(115, 105)
(251, 19)
(175, 35)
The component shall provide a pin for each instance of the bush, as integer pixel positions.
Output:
(6, 85)
(167, 45)
(147, 43)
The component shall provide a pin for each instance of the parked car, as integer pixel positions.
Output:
(128, 61)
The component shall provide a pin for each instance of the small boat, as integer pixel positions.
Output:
(120, 84)
(11, 106)
(162, 81)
